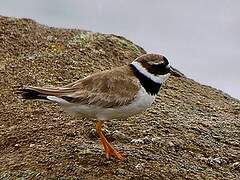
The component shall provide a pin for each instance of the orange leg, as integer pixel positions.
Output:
(109, 149)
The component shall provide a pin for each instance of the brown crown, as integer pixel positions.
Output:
(154, 63)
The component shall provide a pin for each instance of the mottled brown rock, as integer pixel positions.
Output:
(192, 131)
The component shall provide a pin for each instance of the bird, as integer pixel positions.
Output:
(111, 94)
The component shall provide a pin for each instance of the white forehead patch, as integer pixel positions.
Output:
(158, 79)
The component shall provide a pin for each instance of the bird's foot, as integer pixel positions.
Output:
(110, 150)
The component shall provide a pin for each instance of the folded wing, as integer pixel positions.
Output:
(107, 89)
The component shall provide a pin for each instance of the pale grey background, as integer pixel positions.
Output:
(200, 37)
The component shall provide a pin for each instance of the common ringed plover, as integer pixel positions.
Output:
(116, 93)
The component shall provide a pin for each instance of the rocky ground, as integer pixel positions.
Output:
(191, 132)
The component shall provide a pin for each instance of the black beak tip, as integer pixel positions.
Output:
(171, 69)
(175, 72)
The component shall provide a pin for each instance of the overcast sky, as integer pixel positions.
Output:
(200, 38)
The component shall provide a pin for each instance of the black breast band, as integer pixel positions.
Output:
(149, 85)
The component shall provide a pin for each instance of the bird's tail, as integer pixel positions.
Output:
(31, 94)
(46, 94)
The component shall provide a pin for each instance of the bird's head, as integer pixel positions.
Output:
(154, 66)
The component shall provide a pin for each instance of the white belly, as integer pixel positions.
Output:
(142, 101)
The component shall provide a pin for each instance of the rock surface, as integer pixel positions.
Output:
(192, 131)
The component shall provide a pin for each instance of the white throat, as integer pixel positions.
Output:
(158, 79)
